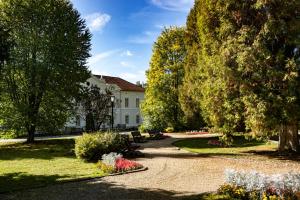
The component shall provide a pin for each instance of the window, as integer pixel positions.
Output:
(126, 119)
(137, 119)
(126, 102)
(77, 120)
(137, 102)
(118, 103)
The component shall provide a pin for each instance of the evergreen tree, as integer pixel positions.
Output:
(219, 98)
(249, 67)
(161, 107)
(190, 91)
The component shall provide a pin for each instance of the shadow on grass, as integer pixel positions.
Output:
(99, 189)
(47, 149)
(291, 156)
(21, 181)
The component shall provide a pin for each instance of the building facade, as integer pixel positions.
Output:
(127, 101)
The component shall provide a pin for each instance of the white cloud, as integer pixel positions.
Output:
(147, 37)
(134, 77)
(101, 56)
(127, 53)
(97, 21)
(172, 5)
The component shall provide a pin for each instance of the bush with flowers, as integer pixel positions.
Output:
(253, 185)
(115, 163)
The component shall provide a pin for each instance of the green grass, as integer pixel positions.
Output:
(240, 146)
(24, 166)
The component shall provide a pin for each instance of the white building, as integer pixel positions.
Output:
(128, 98)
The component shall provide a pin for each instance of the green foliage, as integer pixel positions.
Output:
(161, 107)
(189, 92)
(169, 130)
(5, 44)
(234, 192)
(90, 147)
(10, 134)
(95, 107)
(108, 169)
(242, 66)
(46, 66)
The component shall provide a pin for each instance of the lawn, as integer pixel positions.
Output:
(240, 146)
(24, 166)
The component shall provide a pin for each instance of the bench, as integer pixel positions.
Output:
(156, 135)
(137, 137)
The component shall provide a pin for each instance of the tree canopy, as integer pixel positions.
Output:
(46, 66)
(239, 70)
(161, 108)
(94, 106)
(5, 44)
(248, 65)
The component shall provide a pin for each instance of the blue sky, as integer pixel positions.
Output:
(124, 32)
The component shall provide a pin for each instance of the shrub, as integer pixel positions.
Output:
(105, 168)
(91, 147)
(233, 191)
(169, 130)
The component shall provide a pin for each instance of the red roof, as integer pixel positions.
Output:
(121, 83)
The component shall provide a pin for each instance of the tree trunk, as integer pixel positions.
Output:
(288, 138)
(31, 131)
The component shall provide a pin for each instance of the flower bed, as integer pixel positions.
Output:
(254, 185)
(215, 143)
(113, 163)
(197, 132)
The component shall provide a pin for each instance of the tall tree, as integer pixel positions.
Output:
(46, 65)
(95, 105)
(269, 66)
(250, 64)
(219, 97)
(190, 93)
(161, 107)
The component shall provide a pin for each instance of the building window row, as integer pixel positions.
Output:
(137, 119)
(137, 102)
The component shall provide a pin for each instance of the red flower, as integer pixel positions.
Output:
(126, 165)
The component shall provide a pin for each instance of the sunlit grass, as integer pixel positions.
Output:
(25, 166)
(240, 146)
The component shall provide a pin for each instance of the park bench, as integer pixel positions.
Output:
(130, 150)
(137, 137)
(156, 135)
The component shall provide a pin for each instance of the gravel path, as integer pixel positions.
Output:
(172, 174)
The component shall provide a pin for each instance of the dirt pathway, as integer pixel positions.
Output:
(173, 174)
